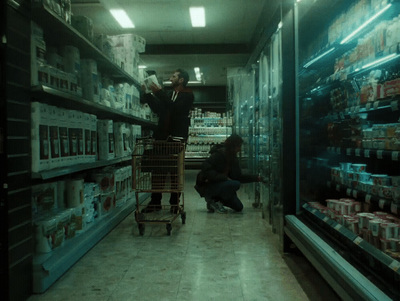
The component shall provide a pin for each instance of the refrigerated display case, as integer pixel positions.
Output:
(241, 99)
(348, 93)
(270, 129)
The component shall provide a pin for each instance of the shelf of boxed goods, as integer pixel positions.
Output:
(48, 267)
(69, 101)
(368, 257)
(55, 27)
(63, 171)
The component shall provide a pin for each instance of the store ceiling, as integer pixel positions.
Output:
(232, 27)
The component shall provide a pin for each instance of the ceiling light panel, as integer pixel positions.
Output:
(122, 18)
(198, 16)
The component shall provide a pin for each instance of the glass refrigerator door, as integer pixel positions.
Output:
(349, 92)
(270, 132)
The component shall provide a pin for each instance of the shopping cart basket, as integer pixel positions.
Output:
(158, 167)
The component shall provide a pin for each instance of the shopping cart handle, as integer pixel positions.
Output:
(175, 139)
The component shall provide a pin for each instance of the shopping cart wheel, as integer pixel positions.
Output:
(183, 217)
(141, 229)
(169, 228)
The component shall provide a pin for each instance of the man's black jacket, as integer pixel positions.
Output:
(173, 115)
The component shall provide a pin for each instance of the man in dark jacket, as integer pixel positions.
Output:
(220, 176)
(173, 109)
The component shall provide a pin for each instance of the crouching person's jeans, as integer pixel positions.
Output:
(226, 193)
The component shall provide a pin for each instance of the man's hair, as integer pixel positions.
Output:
(183, 74)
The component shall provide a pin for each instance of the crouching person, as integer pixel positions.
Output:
(220, 176)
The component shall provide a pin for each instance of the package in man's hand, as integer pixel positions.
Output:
(149, 81)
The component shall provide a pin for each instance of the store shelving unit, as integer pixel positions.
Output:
(47, 268)
(65, 100)
(204, 132)
(56, 28)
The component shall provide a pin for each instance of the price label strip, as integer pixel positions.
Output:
(394, 208)
(358, 240)
(395, 105)
(338, 227)
(395, 265)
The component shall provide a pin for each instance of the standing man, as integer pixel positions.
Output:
(173, 109)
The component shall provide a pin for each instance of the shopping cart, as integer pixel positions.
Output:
(158, 167)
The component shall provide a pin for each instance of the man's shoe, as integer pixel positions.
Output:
(210, 208)
(218, 207)
(213, 206)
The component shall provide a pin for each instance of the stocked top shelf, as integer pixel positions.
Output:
(72, 102)
(62, 171)
(56, 28)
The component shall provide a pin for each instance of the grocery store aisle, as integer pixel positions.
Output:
(212, 257)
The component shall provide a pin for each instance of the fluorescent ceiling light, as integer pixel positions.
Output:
(197, 73)
(382, 60)
(198, 16)
(318, 58)
(168, 82)
(346, 39)
(142, 67)
(122, 18)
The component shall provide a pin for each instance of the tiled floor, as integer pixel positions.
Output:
(212, 257)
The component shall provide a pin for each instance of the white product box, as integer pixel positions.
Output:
(64, 137)
(72, 62)
(73, 137)
(40, 137)
(105, 132)
(90, 80)
(54, 135)
(87, 151)
(93, 135)
(79, 128)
